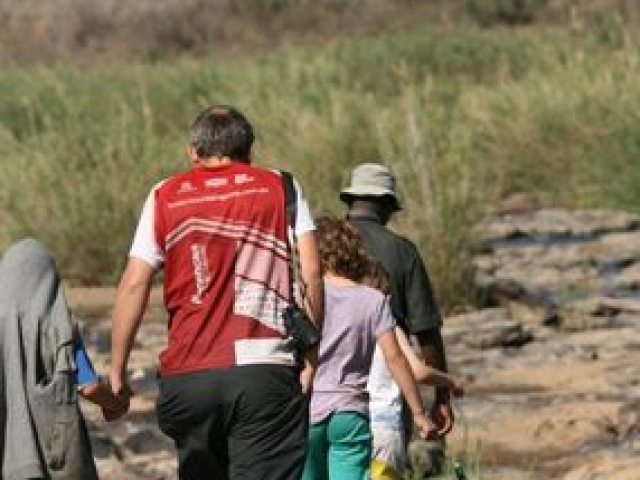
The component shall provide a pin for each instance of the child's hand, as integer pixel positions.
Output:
(427, 430)
(457, 389)
(306, 381)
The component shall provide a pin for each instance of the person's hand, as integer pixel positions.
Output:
(457, 389)
(442, 414)
(425, 428)
(306, 383)
(309, 371)
(120, 403)
(113, 412)
(306, 380)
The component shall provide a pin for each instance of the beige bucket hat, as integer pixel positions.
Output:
(371, 180)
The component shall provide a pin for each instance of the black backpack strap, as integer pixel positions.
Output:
(291, 198)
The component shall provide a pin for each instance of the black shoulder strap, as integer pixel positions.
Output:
(291, 198)
(291, 201)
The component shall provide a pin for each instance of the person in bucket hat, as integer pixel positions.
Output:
(372, 200)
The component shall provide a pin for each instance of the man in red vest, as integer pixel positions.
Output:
(230, 392)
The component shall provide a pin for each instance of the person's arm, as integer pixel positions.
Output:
(306, 243)
(426, 374)
(401, 371)
(424, 321)
(432, 349)
(313, 297)
(311, 287)
(92, 388)
(130, 303)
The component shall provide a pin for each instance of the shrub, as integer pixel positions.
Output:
(508, 12)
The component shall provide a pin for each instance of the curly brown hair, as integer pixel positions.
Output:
(341, 249)
(376, 277)
(342, 253)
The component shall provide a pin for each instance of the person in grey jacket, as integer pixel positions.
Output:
(44, 367)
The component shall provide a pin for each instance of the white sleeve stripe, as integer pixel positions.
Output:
(145, 245)
(304, 220)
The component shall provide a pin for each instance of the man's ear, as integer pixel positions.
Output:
(191, 151)
(386, 211)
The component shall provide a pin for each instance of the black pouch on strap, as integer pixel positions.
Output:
(296, 321)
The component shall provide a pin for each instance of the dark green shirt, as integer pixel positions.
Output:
(412, 301)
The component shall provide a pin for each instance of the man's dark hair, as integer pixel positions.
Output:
(221, 131)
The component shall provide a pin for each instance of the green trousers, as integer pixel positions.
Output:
(339, 448)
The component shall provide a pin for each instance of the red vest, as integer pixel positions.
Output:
(223, 232)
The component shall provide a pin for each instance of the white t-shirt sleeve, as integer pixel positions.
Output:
(145, 246)
(304, 220)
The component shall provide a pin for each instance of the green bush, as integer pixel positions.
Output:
(508, 12)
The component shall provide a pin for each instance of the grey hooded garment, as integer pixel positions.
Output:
(43, 434)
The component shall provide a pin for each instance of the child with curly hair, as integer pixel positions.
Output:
(357, 318)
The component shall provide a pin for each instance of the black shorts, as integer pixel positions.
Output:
(241, 423)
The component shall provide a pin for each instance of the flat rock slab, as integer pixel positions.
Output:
(556, 223)
(553, 383)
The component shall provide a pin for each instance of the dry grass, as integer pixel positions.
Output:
(463, 117)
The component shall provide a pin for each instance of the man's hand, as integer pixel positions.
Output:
(432, 350)
(442, 415)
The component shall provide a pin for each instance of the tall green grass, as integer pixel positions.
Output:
(463, 118)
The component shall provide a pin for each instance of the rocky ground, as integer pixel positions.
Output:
(551, 364)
